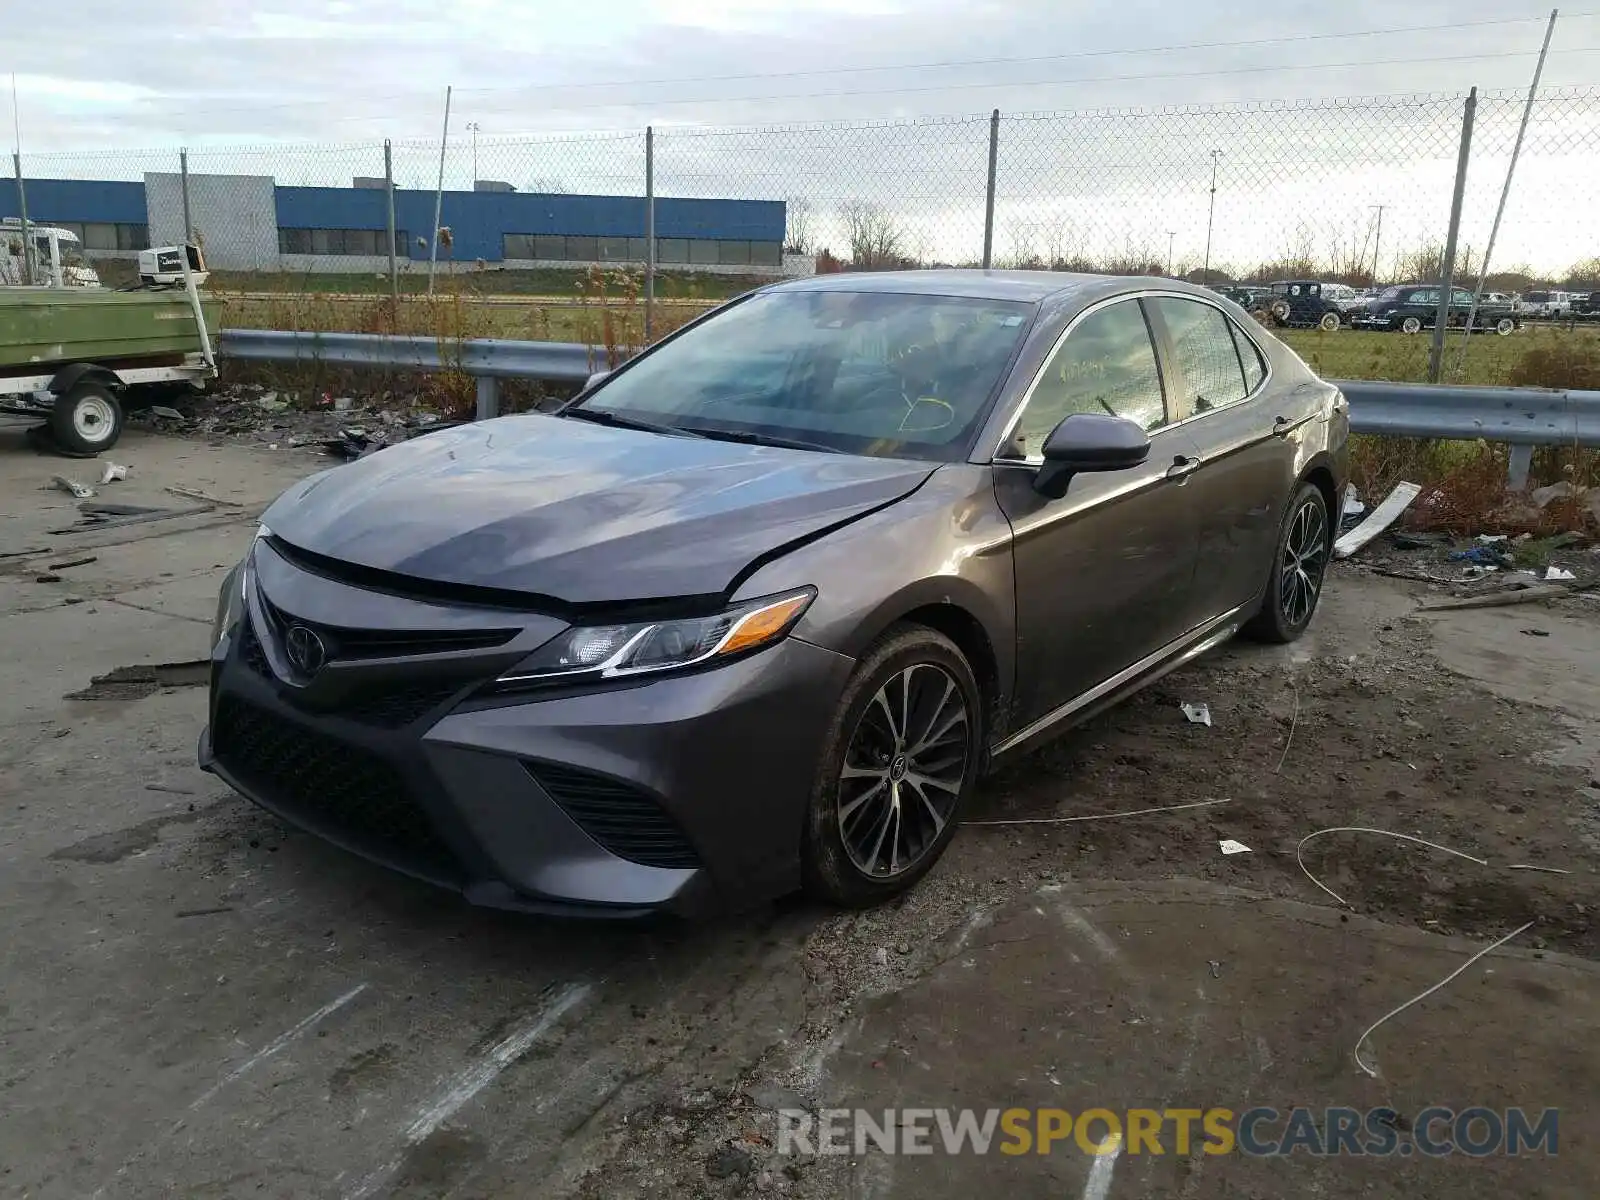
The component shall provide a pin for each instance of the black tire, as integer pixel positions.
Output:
(1286, 605)
(1329, 322)
(87, 420)
(1411, 325)
(830, 865)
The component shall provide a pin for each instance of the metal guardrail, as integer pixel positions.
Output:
(1521, 417)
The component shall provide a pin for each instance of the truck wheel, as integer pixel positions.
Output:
(1411, 325)
(1329, 322)
(87, 419)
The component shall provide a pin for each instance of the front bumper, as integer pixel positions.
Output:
(686, 793)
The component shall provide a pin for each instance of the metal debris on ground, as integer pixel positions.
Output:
(354, 443)
(271, 403)
(169, 414)
(71, 486)
(1394, 1012)
(115, 516)
(1377, 520)
(1517, 594)
(1136, 812)
(1216, 968)
(113, 473)
(1197, 714)
(1558, 575)
(1401, 540)
(191, 494)
(75, 562)
(1229, 846)
(1490, 539)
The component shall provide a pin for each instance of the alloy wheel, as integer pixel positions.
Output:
(903, 770)
(1305, 558)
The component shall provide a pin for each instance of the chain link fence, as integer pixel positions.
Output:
(1354, 189)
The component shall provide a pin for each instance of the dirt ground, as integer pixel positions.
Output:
(198, 1001)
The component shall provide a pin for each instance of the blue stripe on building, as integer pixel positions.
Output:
(479, 221)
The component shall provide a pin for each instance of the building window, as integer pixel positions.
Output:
(672, 250)
(614, 249)
(733, 254)
(766, 254)
(583, 249)
(704, 253)
(104, 236)
(353, 242)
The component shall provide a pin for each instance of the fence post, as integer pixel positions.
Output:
(488, 397)
(388, 187)
(438, 195)
(988, 204)
(183, 183)
(1519, 464)
(22, 211)
(1447, 271)
(649, 232)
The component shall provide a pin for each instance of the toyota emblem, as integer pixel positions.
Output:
(306, 652)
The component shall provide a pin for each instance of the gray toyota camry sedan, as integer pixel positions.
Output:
(755, 611)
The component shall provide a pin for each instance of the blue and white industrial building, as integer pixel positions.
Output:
(251, 223)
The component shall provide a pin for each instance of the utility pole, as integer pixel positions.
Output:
(1211, 213)
(473, 126)
(438, 195)
(1377, 237)
(1170, 235)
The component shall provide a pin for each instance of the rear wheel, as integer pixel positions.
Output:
(1411, 325)
(900, 761)
(1504, 326)
(1305, 543)
(1329, 322)
(87, 420)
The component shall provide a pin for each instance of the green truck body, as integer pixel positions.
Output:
(41, 328)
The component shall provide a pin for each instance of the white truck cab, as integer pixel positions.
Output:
(54, 257)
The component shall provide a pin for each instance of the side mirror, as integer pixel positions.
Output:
(594, 380)
(1089, 442)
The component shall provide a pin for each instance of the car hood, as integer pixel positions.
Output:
(579, 513)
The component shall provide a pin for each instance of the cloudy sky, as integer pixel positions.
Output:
(306, 90)
(104, 73)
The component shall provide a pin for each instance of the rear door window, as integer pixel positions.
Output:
(1212, 376)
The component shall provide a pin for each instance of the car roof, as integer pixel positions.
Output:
(1032, 286)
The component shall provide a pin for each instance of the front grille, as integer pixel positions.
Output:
(250, 650)
(345, 790)
(619, 817)
(347, 643)
(397, 706)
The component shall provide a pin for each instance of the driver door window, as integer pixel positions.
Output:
(1106, 365)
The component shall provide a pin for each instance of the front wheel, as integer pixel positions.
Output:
(1504, 326)
(1304, 544)
(1329, 322)
(87, 420)
(900, 761)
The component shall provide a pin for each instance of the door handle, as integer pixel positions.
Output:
(1182, 467)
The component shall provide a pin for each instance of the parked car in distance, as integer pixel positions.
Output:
(1586, 306)
(1252, 297)
(1413, 307)
(1306, 304)
(1544, 305)
(754, 611)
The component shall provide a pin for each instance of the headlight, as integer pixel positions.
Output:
(230, 600)
(613, 651)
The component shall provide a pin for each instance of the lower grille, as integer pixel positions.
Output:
(397, 707)
(619, 817)
(347, 791)
(250, 649)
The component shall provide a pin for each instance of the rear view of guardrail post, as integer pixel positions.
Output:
(488, 397)
(988, 204)
(183, 185)
(649, 232)
(1447, 269)
(1521, 462)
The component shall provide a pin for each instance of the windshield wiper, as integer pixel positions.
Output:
(606, 416)
(751, 438)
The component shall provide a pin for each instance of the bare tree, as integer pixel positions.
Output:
(877, 240)
(800, 234)
(1020, 233)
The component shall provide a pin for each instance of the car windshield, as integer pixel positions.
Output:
(879, 373)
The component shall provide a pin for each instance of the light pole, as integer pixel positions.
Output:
(1211, 212)
(1377, 235)
(1170, 235)
(473, 127)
